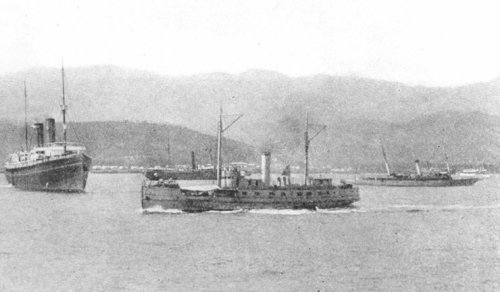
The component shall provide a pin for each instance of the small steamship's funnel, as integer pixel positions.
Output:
(417, 167)
(51, 130)
(39, 134)
(266, 168)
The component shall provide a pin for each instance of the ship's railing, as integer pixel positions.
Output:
(30, 162)
(61, 144)
(160, 183)
(22, 163)
(297, 187)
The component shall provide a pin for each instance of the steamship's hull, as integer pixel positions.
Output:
(422, 182)
(235, 199)
(66, 174)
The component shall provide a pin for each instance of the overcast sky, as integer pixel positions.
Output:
(416, 42)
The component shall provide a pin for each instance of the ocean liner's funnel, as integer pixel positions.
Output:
(417, 167)
(266, 168)
(39, 134)
(51, 130)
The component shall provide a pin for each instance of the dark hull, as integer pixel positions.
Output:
(68, 174)
(202, 174)
(229, 200)
(393, 182)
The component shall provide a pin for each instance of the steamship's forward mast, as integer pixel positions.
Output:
(221, 130)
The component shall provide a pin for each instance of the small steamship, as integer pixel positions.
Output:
(431, 179)
(245, 193)
(51, 165)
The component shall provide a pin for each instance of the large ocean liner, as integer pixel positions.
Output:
(430, 179)
(245, 193)
(51, 165)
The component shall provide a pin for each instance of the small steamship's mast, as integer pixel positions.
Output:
(306, 138)
(219, 148)
(63, 110)
(386, 162)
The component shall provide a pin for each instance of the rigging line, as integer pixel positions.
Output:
(31, 136)
(232, 123)
(27, 140)
(73, 126)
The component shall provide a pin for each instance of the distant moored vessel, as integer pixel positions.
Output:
(431, 179)
(194, 173)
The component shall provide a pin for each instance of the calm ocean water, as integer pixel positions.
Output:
(396, 239)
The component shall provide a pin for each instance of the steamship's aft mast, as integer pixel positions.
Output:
(307, 142)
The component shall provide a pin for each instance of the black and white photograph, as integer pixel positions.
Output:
(249, 145)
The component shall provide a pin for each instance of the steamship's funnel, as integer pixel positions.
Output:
(51, 130)
(39, 134)
(193, 161)
(266, 168)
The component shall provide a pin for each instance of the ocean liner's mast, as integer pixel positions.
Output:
(446, 160)
(307, 142)
(220, 131)
(63, 109)
(25, 118)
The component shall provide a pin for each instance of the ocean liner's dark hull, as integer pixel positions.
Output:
(67, 174)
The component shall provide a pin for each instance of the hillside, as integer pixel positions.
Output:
(467, 138)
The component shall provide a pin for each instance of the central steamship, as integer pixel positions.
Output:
(246, 193)
(51, 165)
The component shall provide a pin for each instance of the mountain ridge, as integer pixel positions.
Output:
(104, 86)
